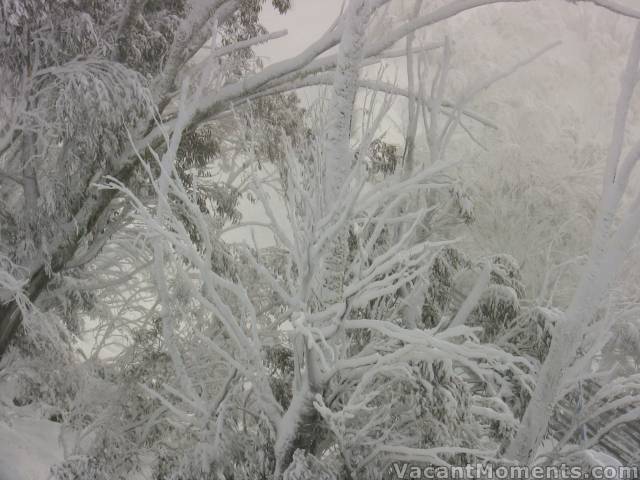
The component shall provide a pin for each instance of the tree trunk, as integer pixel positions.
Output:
(298, 428)
(63, 251)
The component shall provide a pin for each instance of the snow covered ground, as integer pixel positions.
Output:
(29, 443)
(29, 447)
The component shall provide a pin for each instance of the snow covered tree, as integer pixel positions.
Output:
(574, 339)
(334, 367)
(76, 77)
(345, 346)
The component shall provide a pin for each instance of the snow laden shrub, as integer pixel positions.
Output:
(509, 320)
(107, 456)
(508, 317)
(502, 316)
(500, 304)
(434, 406)
(624, 348)
(383, 158)
(102, 419)
(139, 425)
(48, 378)
(79, 468)
(306, 467)
(440, 290)
(279, 361)
(48, 375)
(532, 331)
(442, 407)
(463, 202)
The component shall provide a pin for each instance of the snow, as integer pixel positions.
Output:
(29, 448)
(29, 444)
(310, 219)
(602, 459)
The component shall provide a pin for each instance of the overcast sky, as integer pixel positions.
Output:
(306, 21)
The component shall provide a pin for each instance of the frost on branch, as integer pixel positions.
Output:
(367, 333)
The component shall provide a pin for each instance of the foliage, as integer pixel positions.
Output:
(367, 333)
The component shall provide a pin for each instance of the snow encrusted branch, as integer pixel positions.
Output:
(608, 250)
